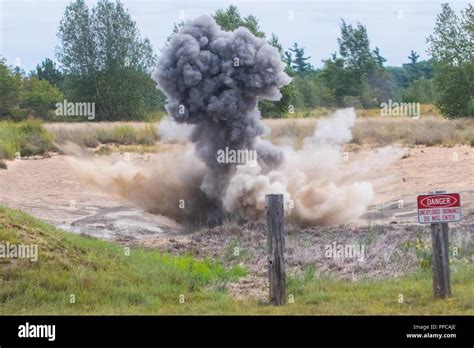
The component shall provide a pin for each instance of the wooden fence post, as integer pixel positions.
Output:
(276, 248)
(440, 257)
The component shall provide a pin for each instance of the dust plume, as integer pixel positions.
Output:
(171, 132)
(319, 186)
(213, 80)
(167, 184)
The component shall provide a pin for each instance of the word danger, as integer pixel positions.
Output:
(444, 207)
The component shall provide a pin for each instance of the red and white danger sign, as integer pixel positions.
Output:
(443, 207)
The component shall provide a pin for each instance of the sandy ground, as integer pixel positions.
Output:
(51, 190)
(423, 169)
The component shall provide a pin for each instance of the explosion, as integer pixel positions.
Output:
(213, 81)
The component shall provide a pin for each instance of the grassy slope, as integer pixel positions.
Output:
(99, 274)
(105, 281)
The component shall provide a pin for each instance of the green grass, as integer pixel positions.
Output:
(94, 134)
(128, 135)
(106, 281)
(27, 138)
(99, 274)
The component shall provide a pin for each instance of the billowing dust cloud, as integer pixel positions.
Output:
(319, 185)
(319, 182)
(213, 81)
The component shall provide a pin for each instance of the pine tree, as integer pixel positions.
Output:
(300, 62)
(413, 57)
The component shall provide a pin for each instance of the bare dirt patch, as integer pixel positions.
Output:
(49, 189)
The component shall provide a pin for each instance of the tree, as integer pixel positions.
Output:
(338, 78)
(39, 95)
(413, 57)
(451, 48)
(230, 19)
(105, 60)
(288, 59)
(49, 72)
(299, 63)
(378, 58)
(280, 107)
(9, 89)
(354, 48)
(275, 42)
(176, 28)
(77, 52)
(451, 41)
(420, 91)
(403, 76)
(118, 40)
(356, 76)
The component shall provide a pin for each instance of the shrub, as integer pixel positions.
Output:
(420, 91)
(34, 138)
(28, 138)
(17, 114)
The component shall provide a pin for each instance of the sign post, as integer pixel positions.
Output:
(276, 248)
(438, 208)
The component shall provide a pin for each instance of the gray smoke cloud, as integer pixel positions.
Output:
(213, 80)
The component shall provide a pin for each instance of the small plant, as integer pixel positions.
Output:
(422, 251)
(34, 138)
(235, 251)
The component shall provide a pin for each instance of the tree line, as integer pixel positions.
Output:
(104, 60)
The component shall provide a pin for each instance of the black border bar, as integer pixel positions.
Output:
(257, 330)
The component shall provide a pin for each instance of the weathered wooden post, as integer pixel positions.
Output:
(440, 257)
(440, 260)
(438, 208)
(276, 248)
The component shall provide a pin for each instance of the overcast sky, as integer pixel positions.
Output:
(28, 27)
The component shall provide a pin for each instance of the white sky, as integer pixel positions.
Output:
(28, 27)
